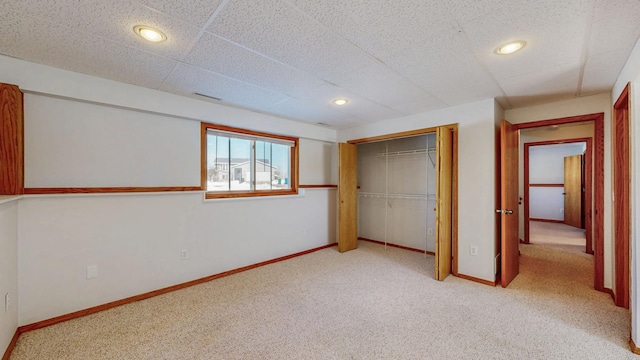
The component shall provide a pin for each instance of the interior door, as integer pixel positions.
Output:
(347, 197)
(444, 166)
(573, 190)
(509, 241)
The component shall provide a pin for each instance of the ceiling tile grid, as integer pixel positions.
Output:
(194, 12)
(602, 70)
(218, 55)
(186, 80)
(64, 48)
(279, 31)
(312, 112)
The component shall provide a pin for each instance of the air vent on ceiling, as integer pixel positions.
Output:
(208, 97)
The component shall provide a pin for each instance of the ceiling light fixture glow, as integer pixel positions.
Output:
(340, 102)
(150, 34)
(510, 48)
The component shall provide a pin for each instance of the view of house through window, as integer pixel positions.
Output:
(245, 163)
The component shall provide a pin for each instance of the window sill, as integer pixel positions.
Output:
(213, 197)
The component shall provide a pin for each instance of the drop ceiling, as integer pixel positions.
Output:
(291, 58)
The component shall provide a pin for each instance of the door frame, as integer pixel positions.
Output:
(588, 184)
(621, 196)
(454, 175)
(598, 184)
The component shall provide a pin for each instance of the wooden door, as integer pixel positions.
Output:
(444, 168)
(573, 190)
(509, 241)
(347, 197)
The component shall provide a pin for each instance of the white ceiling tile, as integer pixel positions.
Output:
(559, 82)
(313, 113)
(465, 10)
(382, 28)
(278, 30)
(194, 12)
(602, 71)
(554, 32)
(384, 86)
(187, 80)
(616, 26)
(52, 44)
(114, 20)
(223, 57)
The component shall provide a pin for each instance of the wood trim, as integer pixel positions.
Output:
(622, 198)
(12, 140)
(230, 129)
(12, 345)
(560, 121)
(475, 279)
(95, 309)
(454, 199)
(634, 348)
(597, 214)
(610, 292)
(243, 194)
(598, 202)
(328, 186)
(397, 135)
(547, 220)
(99, 190)
(546, 185)
(294, 163)
(397, 246)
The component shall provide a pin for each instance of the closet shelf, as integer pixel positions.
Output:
(397, 196)
(406, 152)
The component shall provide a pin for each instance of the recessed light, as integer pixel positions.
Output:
(510, 48)
(150, 34)
(340, 102)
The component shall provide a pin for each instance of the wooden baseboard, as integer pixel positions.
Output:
(110, 305)
(474, 279)
(610, 292)
(634, 348)
(547, 220)
(12, 345)
(398, 246)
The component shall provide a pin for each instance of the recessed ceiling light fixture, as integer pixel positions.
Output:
(510, 48)
(340, 102)
(150, 34)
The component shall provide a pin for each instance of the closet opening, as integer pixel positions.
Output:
(404, 196)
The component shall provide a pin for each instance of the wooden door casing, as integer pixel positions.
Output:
(444, 182)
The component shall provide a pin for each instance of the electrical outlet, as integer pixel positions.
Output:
(430, 232)
(473, 250)
(6, 302)
(92, 271)
(561, 210)
(184, 255)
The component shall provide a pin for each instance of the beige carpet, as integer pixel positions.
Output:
(557, 235)
(369, 303)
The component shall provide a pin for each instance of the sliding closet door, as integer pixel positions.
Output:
(444, 197)
(347, 197)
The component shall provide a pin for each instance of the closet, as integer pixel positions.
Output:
(399, 189)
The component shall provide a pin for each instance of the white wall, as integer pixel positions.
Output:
(476, 166)
(631, 74)
(8, 269)
(580, 106)
(85, 131)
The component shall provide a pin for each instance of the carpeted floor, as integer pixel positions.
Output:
(369, 303)
(557, 235)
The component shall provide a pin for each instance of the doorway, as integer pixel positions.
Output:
(510, 258)
(558, 187)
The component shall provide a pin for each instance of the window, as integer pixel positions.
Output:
(242, 163)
